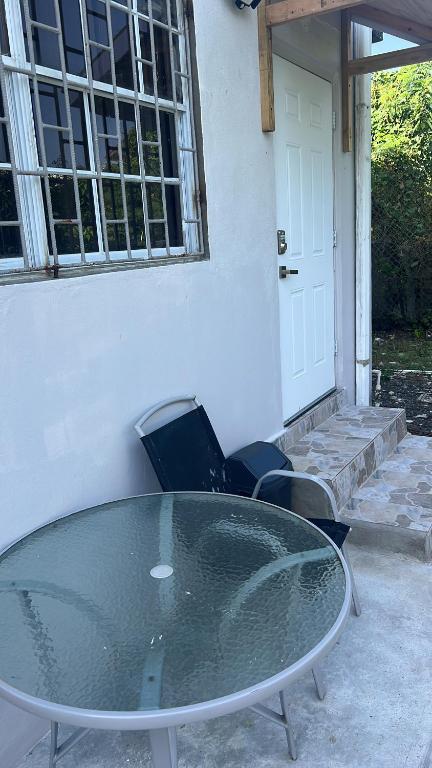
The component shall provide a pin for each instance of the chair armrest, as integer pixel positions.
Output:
(300, 476)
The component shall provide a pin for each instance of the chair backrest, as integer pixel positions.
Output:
(184, 451)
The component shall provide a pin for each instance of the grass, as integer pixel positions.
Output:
(402, 351)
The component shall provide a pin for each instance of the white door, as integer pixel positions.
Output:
(303, 144)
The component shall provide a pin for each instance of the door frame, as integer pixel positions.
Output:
(323, 74)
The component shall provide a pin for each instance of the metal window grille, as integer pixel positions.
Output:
(98, 158)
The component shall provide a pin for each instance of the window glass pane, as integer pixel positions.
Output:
(116, 237)
(10, 243)
(53, 111)
(4, 144)
(148, 124)
(96, 20)
(142, 7)
(4, 37)
(148, 80)
(160, 12)
(45, 48)
(135, 216)
(63, 206)
(72, 37)
(154, 201)
(163, 65)
(151, 160)
(46, 43)
(62, 197)
(174, 14)
(43, 11)
(169, 146)
(157, 236)
(177, 68)
(129, 137)
(113, 199)
(172, 195)
(88, 216)
(108, 148)
(8, 209)
(98, 32)
(144, 32)
(122, 51)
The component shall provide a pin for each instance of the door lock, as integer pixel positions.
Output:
(281, 241)
(285, 272)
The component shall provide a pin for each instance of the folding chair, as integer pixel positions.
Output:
(186, 456)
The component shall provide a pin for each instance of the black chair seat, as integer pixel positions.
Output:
(337, 532)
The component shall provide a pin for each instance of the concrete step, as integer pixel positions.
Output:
(393, 509)
(346, 448)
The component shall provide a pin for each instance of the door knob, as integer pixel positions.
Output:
(285, 272)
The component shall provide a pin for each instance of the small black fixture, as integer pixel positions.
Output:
(244, 4)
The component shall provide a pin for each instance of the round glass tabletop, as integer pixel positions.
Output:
(164, 601)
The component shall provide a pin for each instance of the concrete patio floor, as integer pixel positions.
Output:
(378, 709)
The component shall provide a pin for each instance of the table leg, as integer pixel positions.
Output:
(164, 747)
(56, 751)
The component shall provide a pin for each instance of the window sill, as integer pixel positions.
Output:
(42, 275)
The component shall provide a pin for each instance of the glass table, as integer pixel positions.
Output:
(159, 610)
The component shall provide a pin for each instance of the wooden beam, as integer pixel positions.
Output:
(390, 60)
(347, 82)
(265, 49)
(290, 10)
(392, 24)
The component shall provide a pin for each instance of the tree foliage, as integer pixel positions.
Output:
(402, 197)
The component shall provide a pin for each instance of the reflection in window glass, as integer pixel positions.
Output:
(135, 216)
(4, 144)
(169, 145)
(8, 209)
(108, 148)
(172, 194)
(122, 51)
(116, 237)
(163, 63)
(157, 235)
(151, 160)
(113, 199)
(148, 124)
(4, 37)
(160, 10)
(63, 207)
(46, 43)
(10, 243)
(154, 201)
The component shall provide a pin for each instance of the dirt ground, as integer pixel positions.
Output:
(412, 391)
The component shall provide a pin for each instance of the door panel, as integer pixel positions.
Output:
(303, 145)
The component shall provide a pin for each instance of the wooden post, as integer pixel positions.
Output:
(266, 70)
(347, 81)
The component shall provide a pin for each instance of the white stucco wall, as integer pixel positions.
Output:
(82, 358)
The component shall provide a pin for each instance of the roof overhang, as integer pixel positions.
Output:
(408, 19)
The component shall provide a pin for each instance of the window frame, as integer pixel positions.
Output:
(17, 74)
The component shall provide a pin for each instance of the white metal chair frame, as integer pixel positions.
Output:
(330, 495)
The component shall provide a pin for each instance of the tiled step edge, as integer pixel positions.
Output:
(389, 537)
(367, 461)
(311, 420)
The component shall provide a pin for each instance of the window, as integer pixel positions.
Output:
(98, 160)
